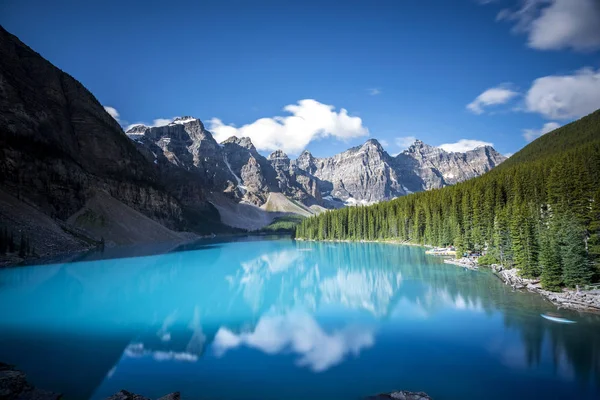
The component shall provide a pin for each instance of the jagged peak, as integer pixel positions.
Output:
(231, 139)
(137, 129)
(373, 143)
(243, 142)
(305, 154)
(278, 155)
(183, 120)
(483, 147)
(476, 149)
(141, 128)
(489, 151)
(420, 146)
(247, 143)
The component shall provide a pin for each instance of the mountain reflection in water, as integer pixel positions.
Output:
(273, 318)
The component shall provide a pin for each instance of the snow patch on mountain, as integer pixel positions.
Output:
(240, 186)
(182, 120)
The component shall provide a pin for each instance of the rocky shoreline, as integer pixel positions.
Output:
(583, 300)
(14, 386)
(462, 262)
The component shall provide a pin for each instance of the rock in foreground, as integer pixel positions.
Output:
(401, 395)
(14, 386)
(125, 395)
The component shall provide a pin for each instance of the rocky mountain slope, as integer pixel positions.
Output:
(361, 175)
(425, 167)
(58, 144)
(59, 149)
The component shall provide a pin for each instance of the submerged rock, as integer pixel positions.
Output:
(14, 386)
(401, 395)
(171, 396)
(125, 395)
(38, 394)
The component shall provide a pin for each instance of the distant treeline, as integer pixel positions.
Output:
(538, 212)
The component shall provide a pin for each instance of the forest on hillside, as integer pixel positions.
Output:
(539, 212)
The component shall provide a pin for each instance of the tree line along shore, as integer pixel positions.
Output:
(538, 212)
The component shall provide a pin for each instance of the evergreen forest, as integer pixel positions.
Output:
(539, 211)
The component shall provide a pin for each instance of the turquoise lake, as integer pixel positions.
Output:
(279, 319)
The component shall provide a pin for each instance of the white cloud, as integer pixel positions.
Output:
(299, 333)
(463, 145)
(491, 97)
(558, 24)
(508, 155)
(310, 120)
(155, 123)
(161, 122)
(384, 143)
(532, 134)
(404, 142)
(113, 112)
(374, 91)
(565, 96)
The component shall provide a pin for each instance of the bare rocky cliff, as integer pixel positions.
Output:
(59, 148)
(367, 174)
(362, 174)
(58, 143)
(426, 167)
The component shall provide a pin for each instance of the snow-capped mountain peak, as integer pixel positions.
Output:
(183, 120)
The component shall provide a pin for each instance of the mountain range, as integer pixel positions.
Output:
(71, 178)
(364, 174)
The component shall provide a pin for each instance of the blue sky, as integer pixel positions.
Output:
(401, 69)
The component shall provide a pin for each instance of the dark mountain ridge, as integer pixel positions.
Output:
(59, 149)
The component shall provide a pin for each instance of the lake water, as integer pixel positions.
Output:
(278, 319)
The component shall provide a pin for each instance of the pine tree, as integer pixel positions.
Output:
(459, 245)
(524, 242)
(577, 271)
(501, 239)
(550, 261)
(594, 234)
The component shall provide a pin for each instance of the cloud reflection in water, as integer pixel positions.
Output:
(298, 332)
(137, 350)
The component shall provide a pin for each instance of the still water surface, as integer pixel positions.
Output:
(278, 319)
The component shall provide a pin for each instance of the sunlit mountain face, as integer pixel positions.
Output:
(278, 318)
